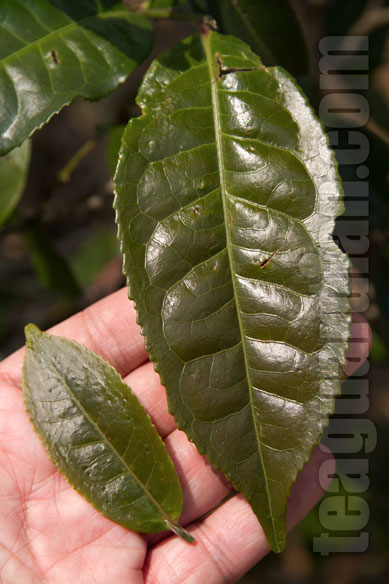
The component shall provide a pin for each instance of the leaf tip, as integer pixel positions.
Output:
(278, 546)
(276, 536)
(31, 332)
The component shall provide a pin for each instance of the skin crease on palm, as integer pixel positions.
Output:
(50, 535)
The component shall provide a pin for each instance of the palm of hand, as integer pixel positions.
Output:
(50, 534)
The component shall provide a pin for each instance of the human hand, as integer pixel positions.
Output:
(50, 535)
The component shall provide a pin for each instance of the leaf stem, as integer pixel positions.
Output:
(170, 14)
(66, 172)
(180, 531)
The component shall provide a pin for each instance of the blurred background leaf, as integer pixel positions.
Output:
(270, 27)
(52, 51)
(94, 253)
(113, 146)
(164, 4)
(13, 175)
(50, 267)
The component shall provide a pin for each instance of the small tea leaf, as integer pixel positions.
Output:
(13, 175)
(227, 193)
(54, 50)
(99, 435)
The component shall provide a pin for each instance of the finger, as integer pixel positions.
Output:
(145, 383)
(230, 540)
(203, 486)
(108, 327)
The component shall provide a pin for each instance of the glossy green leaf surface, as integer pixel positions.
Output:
(54, 50)
(99, 435)
(13, 175)
(270, 28)
(226, 196)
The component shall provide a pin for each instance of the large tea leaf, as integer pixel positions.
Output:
(99, 435)
(13, 175)
(54, 50)
(226, 196)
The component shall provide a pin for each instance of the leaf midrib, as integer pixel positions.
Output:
(85, 413)
(211, 61)
(60, 30)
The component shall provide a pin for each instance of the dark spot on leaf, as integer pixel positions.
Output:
(207, 23)
(226, 70)
(267, 261)
(197, 209)
(54, 57)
